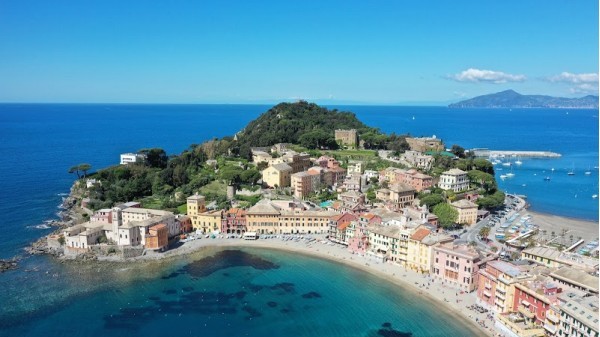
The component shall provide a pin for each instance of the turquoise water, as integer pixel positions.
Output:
(247, 292)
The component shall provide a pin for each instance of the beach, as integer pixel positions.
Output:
(552, 227)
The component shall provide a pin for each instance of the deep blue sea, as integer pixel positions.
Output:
(38, 144)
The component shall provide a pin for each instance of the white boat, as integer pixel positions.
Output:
(518, 161)
(503, 176)
(507, 164)
(547, 178)
(509, 175)
(588, 172)
(595, 196)
(572, 171)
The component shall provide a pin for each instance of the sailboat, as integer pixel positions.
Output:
(588, 172)
(510, 174)
(518, 161)
(572, 171)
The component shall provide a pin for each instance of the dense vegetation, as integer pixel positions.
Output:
(310, 126)
(164, 182)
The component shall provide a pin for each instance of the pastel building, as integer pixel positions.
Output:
(278, 175)
(268, 218)
(397, 196)
(533, 298)
(157, 237)
(578, 315)
(497, 281)
(414, 178)
(454, 180)
(233, 221)
(301, 184)
(420, 248)
(551, 257)
(417, 159)
(457, 265)
(467, 211)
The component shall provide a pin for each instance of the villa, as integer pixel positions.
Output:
(454, 180)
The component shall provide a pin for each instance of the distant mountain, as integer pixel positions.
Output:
(512, 99)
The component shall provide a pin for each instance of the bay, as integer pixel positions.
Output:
(247, 292)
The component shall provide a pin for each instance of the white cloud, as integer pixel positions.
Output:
(567, 77)
(490, 76)
(585, 88)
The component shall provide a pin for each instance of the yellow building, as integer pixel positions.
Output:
(267, 218)
(262, 218)
(208, 221)
(200, 217)
(467, 211)
(420, 248)
(277, 175)
(304, 222)
(196, 204)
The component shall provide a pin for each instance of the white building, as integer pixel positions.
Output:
(130, 158)
(455, 180)
(124, 227)
(578, 315)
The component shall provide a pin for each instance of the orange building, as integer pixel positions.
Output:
(157, 237)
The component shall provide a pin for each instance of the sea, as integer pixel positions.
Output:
(299, 296)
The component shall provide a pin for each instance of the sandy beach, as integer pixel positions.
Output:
(421, 285)
(588, 230)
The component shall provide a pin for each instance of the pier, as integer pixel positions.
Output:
(505, 153)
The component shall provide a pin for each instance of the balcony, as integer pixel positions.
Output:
(526, 312)
(488, 286)
(552, 318)
(487, 293)
(500, 295)
(550, 328)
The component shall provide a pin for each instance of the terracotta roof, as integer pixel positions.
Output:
(159, 226)
(420, 234)
(368, 216)
(344, 224)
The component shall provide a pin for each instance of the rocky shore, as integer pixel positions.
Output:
(8, 264)
(68, 216)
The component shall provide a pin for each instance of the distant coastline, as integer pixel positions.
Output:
(512, 99)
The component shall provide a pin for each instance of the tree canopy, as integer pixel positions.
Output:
(446, 214)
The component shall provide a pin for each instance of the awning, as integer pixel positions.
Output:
(487, 293)
(525, 303)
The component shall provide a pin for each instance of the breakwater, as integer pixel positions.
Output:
(507, 153)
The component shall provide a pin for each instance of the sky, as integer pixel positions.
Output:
(335, 52)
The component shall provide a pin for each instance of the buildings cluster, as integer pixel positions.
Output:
(545, 293)
(126, 225)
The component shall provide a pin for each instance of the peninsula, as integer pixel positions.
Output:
(316, 181)
(512, 99)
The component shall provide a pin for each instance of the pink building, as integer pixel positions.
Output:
(359, 243)
(102, 215)
(457, 265)
(234, 221)
(337, 220)
(415, 179)
(328, 162)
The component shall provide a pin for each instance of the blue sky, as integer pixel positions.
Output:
(375, 52)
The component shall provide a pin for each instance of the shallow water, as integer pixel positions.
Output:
(248, 292)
